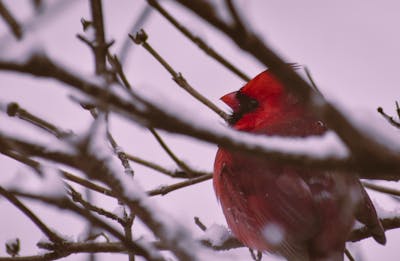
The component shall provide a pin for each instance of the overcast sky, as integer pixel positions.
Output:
(350, 46)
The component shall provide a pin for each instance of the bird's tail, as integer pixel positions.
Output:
(367, 215)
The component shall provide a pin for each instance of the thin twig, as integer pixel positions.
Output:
(122, 156)
(172, 155)
(51, 235)
(382, 189)
(95, 168)
(107, 192)
(101, 51)
(25, 160)
(100, 48)
(136, 25)
(198, 41)
(65, 204)
(40, 257)
(349, 255)
(375, 167)
(389, 118)
(187, 171)
(255, 255)
(141, 39)
(14, 110)
(166, 189)
(116, 64)
(200, 224)
(67, 175)
(87, 184)
(85, 41)
(10, 20)
(128, 219)
(154, 166)
(364, 232)
(311, 79)
(38, 6)
(239, 24)
(359, 143)
(77, 197)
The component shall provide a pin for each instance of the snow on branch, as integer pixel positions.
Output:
(361, 146)
(140, 109)
(147, 112)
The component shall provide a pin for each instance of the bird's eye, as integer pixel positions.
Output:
(247, 104)
(253, 103)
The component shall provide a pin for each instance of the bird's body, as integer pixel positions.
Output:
(299, 213)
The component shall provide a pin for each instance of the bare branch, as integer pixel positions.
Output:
(198, 222)
(382, 189)
(154, 166)
(238, 21)
(349, 255)
(38, 5)
(116, 64)
(87, 184)
(65, 204)
(37, 167)
(136, 25)
(363, 233)
(166, 189)
(107, 192)
(390, 119)
(10, 20)
(122, 156)
(198, 41)
(43, 257)
(141, 39)
(51, 235)
(100, 46)
(375, 167)
(14, 110)
(77, 197)
(362, 147)
(119, 70)
(172, 155)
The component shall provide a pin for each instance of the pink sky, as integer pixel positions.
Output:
(351, 48)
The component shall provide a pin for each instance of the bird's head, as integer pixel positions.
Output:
(263, 105)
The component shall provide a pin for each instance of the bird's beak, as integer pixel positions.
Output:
(231, 100)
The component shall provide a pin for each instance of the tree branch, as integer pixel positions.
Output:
(198, 41)
(10, 20)
(141, 39)
(65, 204)
(51, 235)
(382, 189)
(361, 146)
(166, 189)
(100, 46)
(150, 114)
(390, 119)
(14, 110)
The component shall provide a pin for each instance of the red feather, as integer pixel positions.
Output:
(299, 213)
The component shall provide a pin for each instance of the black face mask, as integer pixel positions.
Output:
(246, 105)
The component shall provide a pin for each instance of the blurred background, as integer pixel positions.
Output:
(351, 48)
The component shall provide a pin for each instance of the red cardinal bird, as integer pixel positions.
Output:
(298, 213)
